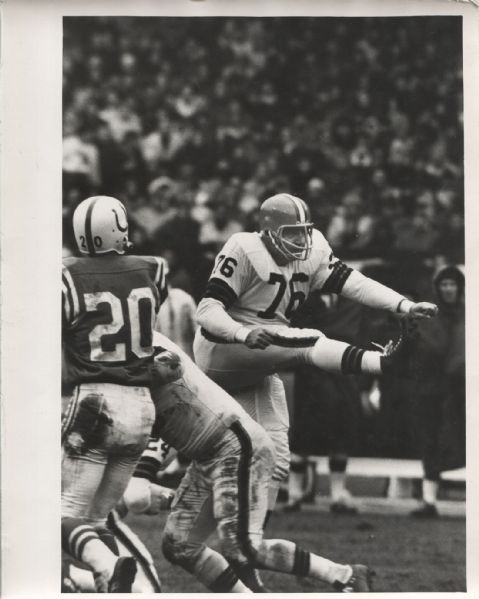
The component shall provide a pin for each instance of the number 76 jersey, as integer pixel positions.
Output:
(257, 291)
(109, 308)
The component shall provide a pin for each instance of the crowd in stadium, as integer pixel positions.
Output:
(193, 139)
(360, 118)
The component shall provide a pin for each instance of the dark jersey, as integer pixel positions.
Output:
(109, 307)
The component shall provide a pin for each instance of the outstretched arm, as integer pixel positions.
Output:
(376, 295)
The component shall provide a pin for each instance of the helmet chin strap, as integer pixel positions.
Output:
(279, 251)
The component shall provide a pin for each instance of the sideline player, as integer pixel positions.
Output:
(109, 306)
(258, 281)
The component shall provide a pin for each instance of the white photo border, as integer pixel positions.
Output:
(30, 223)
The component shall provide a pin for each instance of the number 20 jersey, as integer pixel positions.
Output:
(257, 291)
(109, 308)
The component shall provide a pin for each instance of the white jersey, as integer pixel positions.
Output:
(257, 291)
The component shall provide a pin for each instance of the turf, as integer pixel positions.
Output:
(407, 555)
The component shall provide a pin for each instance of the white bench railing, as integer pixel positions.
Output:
(400, 473)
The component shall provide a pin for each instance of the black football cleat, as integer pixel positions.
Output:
(343, 509)
(294, 506)
(397, 357)
(250, 577)
(360, 581)
(123, 576)
(428, 511)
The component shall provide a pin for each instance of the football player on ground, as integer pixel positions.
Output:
(225, 487)
(109, 306)
(258, 281)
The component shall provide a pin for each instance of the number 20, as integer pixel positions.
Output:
(118, 354)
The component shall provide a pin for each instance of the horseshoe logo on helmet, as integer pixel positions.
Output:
(120, 228)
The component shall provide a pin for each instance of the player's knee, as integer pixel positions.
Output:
(90, 425)
(281, 470)
(137, 497)
(265, 448)
(282, 456)
(179, 552)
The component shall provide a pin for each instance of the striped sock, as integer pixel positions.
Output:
(226, 582)
(351, 360)
(82, 542)
(337, 356)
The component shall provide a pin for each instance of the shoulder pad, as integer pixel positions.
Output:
(319, 242)
(70, 261)
(257, 254)
(155, 261)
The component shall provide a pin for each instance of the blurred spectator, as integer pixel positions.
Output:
(161, 145)
(351, 229)
(419, 233)
(265, 105)
(81, 168)
(439, 388)
(121, 117)
(187, 104)
(159, 209)
(218, 228)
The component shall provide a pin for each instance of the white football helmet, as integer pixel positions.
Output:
(100, 225)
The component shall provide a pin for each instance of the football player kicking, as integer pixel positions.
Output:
(258, 281)
(109, 303)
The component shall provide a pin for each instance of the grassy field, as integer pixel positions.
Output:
(407, 555)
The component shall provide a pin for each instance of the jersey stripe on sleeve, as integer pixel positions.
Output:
(161, 280)
(335, 282)
(69, 292)
(67, 306)
(221, 291)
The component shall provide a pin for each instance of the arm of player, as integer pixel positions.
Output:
(371, 293)
(212, 316)
(228, 280)
(334, 276)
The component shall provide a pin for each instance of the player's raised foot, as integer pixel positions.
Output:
(396, 360)
(425, 512)
(359, 582)
(123, 576)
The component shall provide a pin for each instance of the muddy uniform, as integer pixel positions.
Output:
(225, 486)
(109, 306)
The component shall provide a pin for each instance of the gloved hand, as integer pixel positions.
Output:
(423, 310)
(166, 368)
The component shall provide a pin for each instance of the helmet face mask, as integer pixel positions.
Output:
(285, 221)
(294, 241)
(100, 225)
